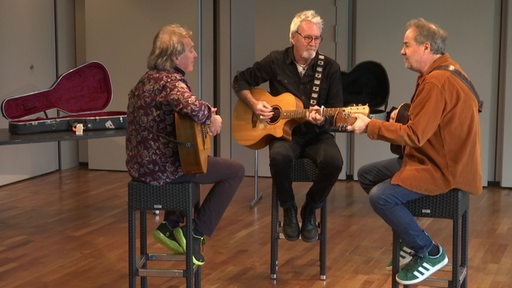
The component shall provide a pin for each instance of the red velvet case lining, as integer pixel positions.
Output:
(86, 88)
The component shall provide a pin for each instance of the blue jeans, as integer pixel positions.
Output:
(387, 200)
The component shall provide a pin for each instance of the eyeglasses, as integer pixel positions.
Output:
(309, 38)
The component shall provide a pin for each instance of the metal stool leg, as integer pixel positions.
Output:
(274, 235)
(189, 262)
(456, 263)
(132, 268)
(323, 241)
(143, 245)
(396, 260)
(464, 249)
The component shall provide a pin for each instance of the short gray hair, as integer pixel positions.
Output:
(308, 15)
(429, 32)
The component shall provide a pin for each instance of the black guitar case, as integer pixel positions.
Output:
(80, 96)
(367, 83)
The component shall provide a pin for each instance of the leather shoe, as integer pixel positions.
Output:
(309, 231)
(291, 228)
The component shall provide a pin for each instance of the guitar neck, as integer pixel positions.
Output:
(301, 113)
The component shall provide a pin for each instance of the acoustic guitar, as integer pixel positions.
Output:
(194, 145)
(402, 117)
(255, 133)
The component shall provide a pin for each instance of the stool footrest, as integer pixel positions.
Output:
(160, 272)
(162, 257)
(143, 261)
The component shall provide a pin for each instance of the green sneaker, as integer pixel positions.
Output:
(421, 267)
(165, 236)
(197, 245)
(406, 255)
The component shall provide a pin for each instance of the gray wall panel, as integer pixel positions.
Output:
(28, 65)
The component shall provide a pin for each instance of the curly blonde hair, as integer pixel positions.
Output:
(167, 46)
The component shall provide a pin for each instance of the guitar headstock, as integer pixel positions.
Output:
(345, 116)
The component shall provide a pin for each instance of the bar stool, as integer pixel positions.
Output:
(304, 170)
(146, 197)
(452, 205)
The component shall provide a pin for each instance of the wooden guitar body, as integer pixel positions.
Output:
(255, 133)
(194, 145)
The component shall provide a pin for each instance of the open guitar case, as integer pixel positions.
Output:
(367, 83)
(80, 97)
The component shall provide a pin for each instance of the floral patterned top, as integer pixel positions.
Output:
(151, 155)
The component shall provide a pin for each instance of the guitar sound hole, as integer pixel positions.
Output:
(275, 117)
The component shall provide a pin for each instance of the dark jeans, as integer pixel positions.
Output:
(322, 150)
(225, 175)
(387, 200)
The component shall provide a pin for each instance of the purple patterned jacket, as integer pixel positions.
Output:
(151, 155)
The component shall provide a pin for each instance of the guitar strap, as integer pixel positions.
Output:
(465, 80)
(318, 77)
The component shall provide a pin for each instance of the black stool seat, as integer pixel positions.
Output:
(146, 197)
(303, 170)
(452, 205)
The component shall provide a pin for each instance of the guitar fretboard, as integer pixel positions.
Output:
(301, 113)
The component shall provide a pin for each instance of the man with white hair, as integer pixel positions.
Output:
(315, 79)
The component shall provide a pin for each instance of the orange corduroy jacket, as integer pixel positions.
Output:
(442, 137)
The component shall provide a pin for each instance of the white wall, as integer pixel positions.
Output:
(34, 53)
(505, 167)
(27, 61)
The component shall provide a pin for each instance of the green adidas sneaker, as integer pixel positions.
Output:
(421, 267)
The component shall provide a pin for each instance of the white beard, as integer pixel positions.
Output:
(308, 55)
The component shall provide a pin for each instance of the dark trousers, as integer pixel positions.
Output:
(225, 175)
(322, 150)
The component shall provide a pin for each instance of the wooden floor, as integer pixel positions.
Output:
(69, 229)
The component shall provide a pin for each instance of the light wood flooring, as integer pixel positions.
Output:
(69, 229)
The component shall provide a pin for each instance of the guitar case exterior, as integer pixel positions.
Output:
(79, 96)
